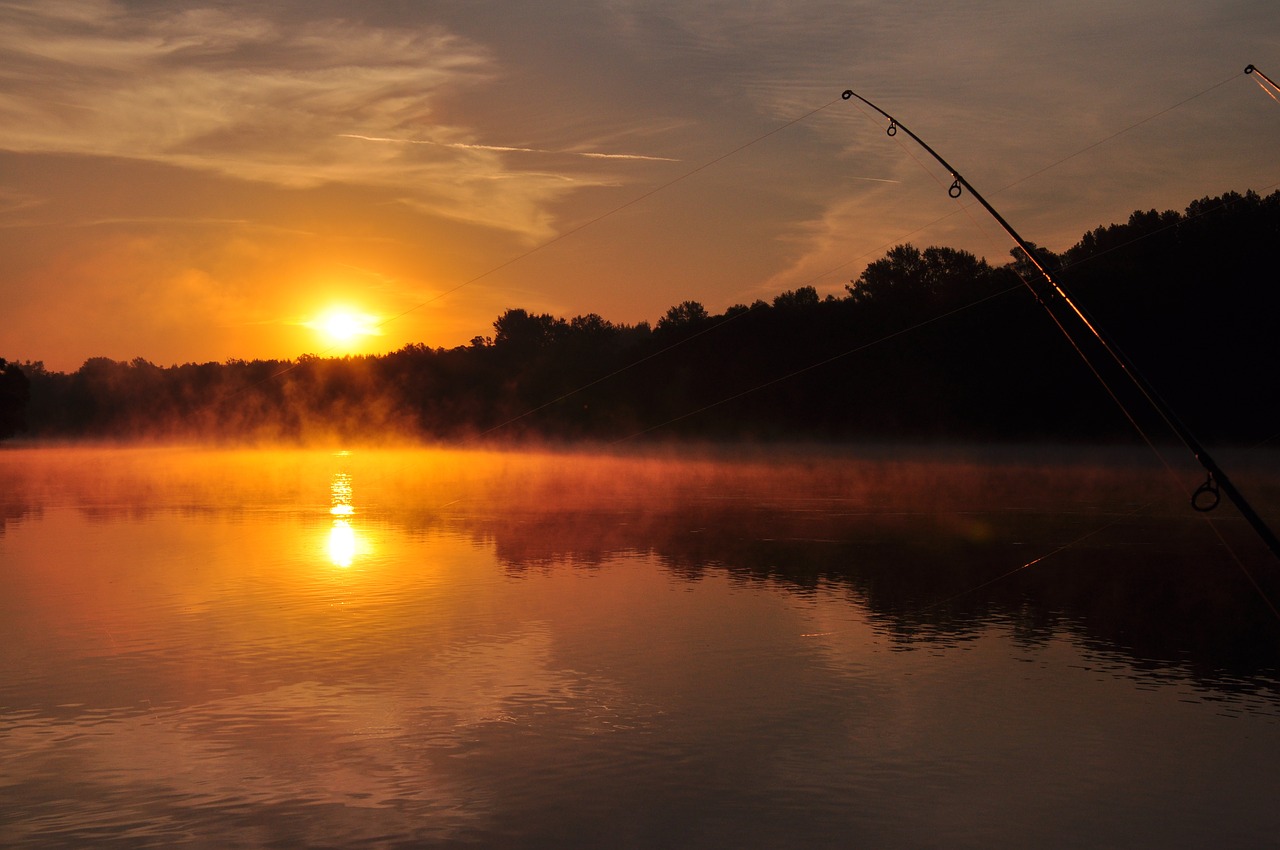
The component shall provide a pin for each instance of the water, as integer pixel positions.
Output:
(431, 648)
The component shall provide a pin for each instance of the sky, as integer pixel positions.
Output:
(194, 182)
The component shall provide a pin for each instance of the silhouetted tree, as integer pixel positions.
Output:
(684, 317)
(797, 299)
(15, 393)
(524, 332)
(932, 343)
(1048, 260)
(910, 279)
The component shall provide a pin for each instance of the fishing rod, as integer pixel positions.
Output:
(1252, 69)
(1206, 497)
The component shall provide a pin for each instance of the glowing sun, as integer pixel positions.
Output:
(343, 326)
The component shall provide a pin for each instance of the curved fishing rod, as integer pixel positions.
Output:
(1217, 480)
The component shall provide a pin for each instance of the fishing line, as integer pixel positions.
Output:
(1241, 565)
(811, 366)
(1271, 606)
(724, 321)
(1184, 219)
(1258, 76)
(1065, 546)
(1132, 126)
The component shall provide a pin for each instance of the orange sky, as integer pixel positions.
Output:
(189, 182)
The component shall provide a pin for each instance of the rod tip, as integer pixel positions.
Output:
(848, 93)
(1249, 69)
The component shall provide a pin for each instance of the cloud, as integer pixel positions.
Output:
(262, 99)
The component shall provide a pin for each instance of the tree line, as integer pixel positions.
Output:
(930, 343)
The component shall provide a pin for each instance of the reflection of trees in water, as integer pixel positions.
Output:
(15, 511)
(930, 547)
(1155, 590)
(922, 542)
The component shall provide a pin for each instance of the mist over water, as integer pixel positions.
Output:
(798, 648)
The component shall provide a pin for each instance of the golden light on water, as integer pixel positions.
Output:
(340, 494)
(343, 541)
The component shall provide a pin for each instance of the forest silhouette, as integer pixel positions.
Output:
(926, 344)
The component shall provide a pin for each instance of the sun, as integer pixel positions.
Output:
(344, 326)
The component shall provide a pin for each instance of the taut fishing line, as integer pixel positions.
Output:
(1132, 126)
(1269, 86)
(811, 366)
(1065, 546)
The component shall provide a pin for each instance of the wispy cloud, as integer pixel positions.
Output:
(162, 221)
(259, 98)
(508, 148)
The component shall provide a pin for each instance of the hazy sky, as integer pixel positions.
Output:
(187, 181)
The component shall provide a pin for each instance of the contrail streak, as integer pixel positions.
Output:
(506, 148)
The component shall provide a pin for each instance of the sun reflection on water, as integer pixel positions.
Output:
(343, 541)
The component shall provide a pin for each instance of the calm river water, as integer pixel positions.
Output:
(791, 650)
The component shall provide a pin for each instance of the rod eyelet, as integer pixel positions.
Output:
(1206, 496)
